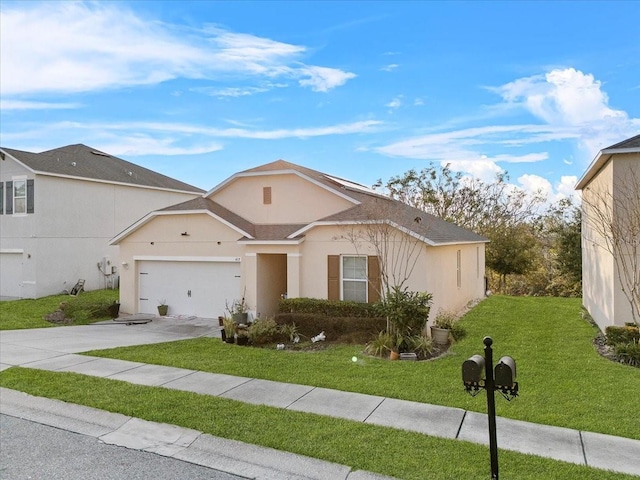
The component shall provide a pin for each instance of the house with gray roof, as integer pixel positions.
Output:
(60, 208)
(611, 234)
(283, 230)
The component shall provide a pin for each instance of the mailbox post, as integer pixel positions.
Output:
(503, 380)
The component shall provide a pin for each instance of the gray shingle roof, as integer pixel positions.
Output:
(633, 142)
(86, 162)
(377, 207)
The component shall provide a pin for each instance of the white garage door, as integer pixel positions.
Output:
(11, 274)
(189, 288)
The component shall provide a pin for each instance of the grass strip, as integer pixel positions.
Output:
(563, 380)
(388, 451)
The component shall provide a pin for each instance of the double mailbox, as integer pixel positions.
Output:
(504, 373)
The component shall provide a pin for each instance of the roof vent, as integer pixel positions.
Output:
(73, 164)
(95, 152)
(130, 173)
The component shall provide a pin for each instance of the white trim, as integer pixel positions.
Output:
(150, 216)
(271, 242)
(11, 250)
(294, 254)
(28, 282)
(288, 171)
(250, 254)
(174, 258)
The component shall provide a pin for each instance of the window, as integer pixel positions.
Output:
(19, 196)
(354, 279)
(459, 269)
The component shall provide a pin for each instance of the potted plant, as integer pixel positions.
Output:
(163, 308)
(242, 336)
(229, 330)
(238, 312)
(442, 327)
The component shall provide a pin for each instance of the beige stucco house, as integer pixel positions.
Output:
(610, 232)
(284, 230)
(60, 208)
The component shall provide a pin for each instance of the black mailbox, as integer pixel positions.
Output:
(505, 373)
(472, 370)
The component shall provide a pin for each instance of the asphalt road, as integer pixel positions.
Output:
(30, 450)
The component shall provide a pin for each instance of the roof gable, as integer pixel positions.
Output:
(630, 145)
(81, 161)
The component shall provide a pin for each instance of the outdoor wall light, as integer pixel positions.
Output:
(185, 234)
(125, 265)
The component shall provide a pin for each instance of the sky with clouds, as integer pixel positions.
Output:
(360, 90)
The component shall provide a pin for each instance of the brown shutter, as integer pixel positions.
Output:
(374, 285)
(266, 195)
(333, 276)
(1, 198)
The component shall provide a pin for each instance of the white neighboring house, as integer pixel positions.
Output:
(60, 208)
(606, 185)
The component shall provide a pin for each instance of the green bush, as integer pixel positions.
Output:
(329, 308)
(381, 345)
(421, 345)
(628, 353)
(347, 329)
(458, 332)
(407, 311)
(264, 330)
(627, 334)
(84, 308)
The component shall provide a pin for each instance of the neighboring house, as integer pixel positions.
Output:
(60, 208)
(284, 230)
(610, 188)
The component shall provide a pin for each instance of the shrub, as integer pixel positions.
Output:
(628, 353)
(381, 345)
(421, 345)
(445, 319)
(457, 332)
(82, 309)
(289, 331)
(335, 328)
(627, 334)
(407, 311)
(329, 308)
(264, 330)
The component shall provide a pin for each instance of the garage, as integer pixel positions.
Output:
(199, 288)
(11, 268)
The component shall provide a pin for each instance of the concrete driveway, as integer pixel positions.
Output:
(18, 347)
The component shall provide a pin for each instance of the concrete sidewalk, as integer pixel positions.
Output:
(56, 349)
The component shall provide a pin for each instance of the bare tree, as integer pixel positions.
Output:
(613, 217)
(382, 230)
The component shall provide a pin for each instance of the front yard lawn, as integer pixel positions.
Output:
(563, 380)
(397, 453)
(86, 308)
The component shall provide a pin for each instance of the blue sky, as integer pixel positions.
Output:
(362, 90)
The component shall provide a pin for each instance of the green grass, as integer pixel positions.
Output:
(384, 450)
(563, 381)
(29, 313)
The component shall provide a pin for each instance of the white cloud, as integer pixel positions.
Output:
(156, 138)
(395, 103)
(572, 102)
(65, 47)
(390, 67)
(322, 79)
(418, 102)
(561, 190)
(27, 105)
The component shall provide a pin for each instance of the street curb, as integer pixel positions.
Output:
(230, 456)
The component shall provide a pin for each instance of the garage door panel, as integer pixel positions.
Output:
(11, 268)
(189, 288)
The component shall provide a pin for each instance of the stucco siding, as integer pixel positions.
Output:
(161, 238)
(68, 233)
(293, 199)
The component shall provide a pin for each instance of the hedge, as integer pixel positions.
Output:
(329, 308)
